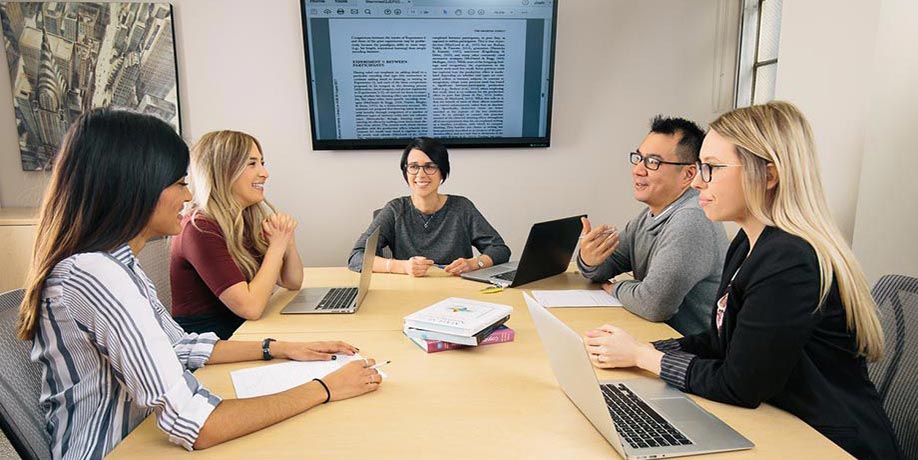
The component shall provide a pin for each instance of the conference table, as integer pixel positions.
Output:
(494, 401)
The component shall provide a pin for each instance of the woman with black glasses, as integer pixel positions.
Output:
(429, 228)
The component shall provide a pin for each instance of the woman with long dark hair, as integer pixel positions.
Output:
(111, 354)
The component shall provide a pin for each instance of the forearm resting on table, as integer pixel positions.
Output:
(238, 417)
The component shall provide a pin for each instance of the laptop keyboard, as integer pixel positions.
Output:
(338, 299)
(637, 423)
(506, 276)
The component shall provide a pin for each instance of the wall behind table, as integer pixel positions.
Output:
(887, 211)
(618, 63)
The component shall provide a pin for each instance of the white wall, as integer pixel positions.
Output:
(618, 63)
(824, 67)
(887, 211)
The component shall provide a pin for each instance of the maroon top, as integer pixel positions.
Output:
(201, 268)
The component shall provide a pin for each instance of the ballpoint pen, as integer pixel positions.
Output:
(378, 365)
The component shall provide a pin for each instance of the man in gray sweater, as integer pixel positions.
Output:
(675, 253)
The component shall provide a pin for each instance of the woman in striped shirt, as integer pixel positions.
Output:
(111, 354)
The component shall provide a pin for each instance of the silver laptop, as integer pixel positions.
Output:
(643, 417)
(337, 299)
(547, 253)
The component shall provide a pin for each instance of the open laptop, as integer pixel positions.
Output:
(337, 299)
(547, 252)
(625, 411)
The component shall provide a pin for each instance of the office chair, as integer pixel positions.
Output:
(895, 375)
(21, 418)
(154, 259)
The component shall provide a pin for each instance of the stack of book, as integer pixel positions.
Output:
(458, 323)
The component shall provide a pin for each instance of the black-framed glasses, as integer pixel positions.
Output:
(706, 170)
(652, 163)
(429, 168)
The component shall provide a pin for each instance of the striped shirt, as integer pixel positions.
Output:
(675, 364)
(111, 355)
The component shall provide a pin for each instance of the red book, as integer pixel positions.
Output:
(500, 335)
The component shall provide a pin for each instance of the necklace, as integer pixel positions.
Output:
(425, 219)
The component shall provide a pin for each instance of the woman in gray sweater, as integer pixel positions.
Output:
(429, 228)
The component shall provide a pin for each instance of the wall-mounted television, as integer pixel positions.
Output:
(472, 73)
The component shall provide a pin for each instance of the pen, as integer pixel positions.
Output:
(440, 266)
(378, 365)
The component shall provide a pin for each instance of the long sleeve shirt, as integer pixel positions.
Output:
(443, 236)
(676, 258)
(111, 355)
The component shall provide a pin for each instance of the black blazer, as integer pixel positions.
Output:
(776, 346)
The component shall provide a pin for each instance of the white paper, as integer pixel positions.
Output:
(267, 380)
(576, 298)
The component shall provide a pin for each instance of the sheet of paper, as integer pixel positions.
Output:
(266, 380)
(576, 298)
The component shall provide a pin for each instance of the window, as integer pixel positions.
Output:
(758, 52)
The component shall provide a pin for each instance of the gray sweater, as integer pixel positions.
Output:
(443, 236)
(676, 258)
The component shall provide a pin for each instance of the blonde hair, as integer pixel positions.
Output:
(779, 134)
(217, 160)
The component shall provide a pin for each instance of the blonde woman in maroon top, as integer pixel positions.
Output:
(233, 248)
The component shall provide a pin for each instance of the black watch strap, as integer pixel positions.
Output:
(266, 349)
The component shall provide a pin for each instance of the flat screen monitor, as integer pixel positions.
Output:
(472, 73)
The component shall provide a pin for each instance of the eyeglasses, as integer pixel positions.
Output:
(429, 168)
(705, 170)
(652, 163)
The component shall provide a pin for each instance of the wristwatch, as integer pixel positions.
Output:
(480, 263)
(266, 349)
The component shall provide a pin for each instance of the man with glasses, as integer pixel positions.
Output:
(674, 252)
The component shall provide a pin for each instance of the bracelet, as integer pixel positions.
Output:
(266, 349)
(327, 391)
(388, 263)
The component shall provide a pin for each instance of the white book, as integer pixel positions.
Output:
(458, 316)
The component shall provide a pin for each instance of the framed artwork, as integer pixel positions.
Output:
(66, 58)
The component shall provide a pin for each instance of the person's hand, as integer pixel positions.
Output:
(597, 244)
(279, 229)
(416, 266)
(609, 286)
(311, 351)
(611, 346)
(353, 379)
(460, 266)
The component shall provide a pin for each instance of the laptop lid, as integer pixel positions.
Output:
(366, 271)
(548, 249)
(573, 370)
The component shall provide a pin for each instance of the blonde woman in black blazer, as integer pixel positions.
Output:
(794, 323)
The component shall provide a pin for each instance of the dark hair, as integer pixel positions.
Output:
(689, 144)
(433, 148)
(108, 177)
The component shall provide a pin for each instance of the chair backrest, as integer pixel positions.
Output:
(897, 373)
(386, 252)
(154, 258)
(21, 418)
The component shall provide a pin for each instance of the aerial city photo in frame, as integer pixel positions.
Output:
(66, 58)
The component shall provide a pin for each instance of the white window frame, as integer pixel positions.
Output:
(748, 63)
